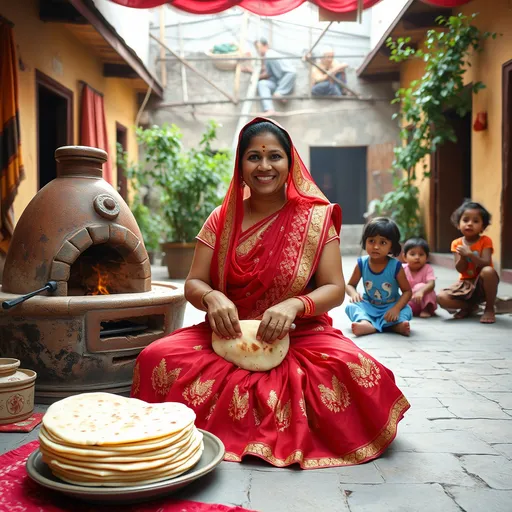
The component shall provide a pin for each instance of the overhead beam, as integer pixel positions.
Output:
(424, 20)
(109, 33)
(119, 71)
(192, 68)
(60, 11)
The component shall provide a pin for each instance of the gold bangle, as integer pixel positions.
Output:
(204, 295)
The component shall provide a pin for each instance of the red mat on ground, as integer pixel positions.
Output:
(24, 426)
(19, 493)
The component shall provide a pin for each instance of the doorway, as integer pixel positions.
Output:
(340, 172)
(450, 181)
(506, 188)
(54, 107)
(122, 140)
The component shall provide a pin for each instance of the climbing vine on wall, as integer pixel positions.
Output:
(446, 55)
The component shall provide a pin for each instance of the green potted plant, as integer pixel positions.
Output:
(149, 222)
(189, 185)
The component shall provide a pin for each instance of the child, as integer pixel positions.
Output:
(381, 306)
(421, 277)
(478, 281)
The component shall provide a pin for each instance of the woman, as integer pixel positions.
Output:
(271, 252)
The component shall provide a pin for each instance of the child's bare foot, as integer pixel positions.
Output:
(464, 313)
(425, 314)
(403, 328)
(488, 317)
(363, 328)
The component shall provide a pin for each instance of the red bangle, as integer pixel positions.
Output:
(309, 306)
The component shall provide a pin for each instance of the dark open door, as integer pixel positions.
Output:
(450, 182)
(54, 104)
(340, 172)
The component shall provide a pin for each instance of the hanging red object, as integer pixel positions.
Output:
(260, 7)
(480, 123)
(267, 7)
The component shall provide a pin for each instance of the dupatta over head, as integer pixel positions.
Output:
(286, 247)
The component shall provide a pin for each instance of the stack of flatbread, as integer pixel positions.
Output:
(101, 439)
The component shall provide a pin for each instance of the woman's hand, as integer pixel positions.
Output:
(222, 315)
(277, 320)
(392, 314)
(356, 298)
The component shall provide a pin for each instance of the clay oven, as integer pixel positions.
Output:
(78, 233)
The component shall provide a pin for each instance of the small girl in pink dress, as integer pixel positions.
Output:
(421, 277)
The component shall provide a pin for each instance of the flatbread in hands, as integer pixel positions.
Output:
(248, 353)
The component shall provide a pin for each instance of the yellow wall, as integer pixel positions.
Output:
(38, 44)
(486, 175)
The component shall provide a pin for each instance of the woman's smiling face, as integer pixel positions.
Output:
(265, 165)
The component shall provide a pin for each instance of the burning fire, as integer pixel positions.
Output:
(102, 281)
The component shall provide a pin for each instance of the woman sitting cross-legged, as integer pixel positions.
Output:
(271, 253)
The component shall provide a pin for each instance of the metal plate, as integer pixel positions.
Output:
(212, 456)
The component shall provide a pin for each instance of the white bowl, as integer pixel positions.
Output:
(16, 391)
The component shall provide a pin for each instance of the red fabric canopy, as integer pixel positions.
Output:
(261, 7)
(266, 7)
(446, 3)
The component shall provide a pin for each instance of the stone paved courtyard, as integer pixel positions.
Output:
(453, 451)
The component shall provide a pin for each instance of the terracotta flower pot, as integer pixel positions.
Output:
(178, 258)
(16, 391)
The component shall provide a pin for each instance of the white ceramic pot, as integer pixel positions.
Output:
(16, 391)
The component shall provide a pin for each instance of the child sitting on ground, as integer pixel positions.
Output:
(420, 275)
(382, 306)
(478, 281)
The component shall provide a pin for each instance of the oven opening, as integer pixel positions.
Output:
(100, 270)
(132, 327)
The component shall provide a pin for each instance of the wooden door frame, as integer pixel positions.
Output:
(55, 87)
(506, 186)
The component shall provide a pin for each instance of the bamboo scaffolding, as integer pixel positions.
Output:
(184, 85)
(241, 48)
(257, 58)
(192, 68)
(291, 97)
(163, 67)
(319, 38)
(291, 113)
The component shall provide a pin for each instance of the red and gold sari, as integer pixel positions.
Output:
(329, 403)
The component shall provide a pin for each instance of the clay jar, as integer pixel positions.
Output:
(16, 391)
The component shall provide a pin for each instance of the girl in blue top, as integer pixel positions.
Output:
(381, 306)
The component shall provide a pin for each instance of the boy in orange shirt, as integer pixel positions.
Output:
(478, 281)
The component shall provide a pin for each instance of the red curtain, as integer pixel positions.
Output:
(261, 7)
(93, 126)
(11, 164)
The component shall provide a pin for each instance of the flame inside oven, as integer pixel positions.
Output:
(102, 285)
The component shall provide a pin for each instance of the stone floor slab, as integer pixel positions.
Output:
(419, 468)
(220, 486)
(504, 400)
(473, 407)
(504, 449)
(495, 471)
(490, 431)
(363, 474)
(482, 500)
(400, 498)
(293, 491)
(442, 442)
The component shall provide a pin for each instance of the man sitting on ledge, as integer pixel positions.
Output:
(323, 85)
